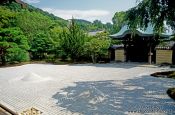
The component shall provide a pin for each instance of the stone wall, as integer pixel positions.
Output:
(119, 55)
(164, 56)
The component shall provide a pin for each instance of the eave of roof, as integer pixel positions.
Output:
(148, 32)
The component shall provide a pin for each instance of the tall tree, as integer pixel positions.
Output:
(98, 24)
(97, 46)
(109, 27)
(41, 46)
(7, 17)
(32, 23)
(156, 12)
(119, 20)
(72, 41)
(13, 45)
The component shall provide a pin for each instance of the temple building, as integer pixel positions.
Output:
(142, 46)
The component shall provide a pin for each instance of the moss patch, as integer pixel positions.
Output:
(167, 74)
(171, 93)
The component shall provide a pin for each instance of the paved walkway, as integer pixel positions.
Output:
(101, 89)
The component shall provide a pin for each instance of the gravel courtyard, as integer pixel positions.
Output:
(100, 89)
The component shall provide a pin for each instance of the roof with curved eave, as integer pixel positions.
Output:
(148, 32)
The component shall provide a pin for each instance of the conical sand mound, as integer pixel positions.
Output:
(33, 77)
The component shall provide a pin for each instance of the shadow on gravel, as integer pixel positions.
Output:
(111, 65)
(142, 95)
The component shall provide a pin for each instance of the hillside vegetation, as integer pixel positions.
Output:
(28, 33)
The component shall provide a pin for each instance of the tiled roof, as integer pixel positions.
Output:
(149, 31)
(117, 46)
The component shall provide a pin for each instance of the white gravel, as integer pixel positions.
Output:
(33, 85)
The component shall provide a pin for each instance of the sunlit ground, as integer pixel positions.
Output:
(86, 89)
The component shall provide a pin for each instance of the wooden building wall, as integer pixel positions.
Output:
(164, 56)
(119, 55)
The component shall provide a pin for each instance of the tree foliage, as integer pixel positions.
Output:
(72, 41)
(33, 23)
(96, 25)
(7, 17)
(13, 45)
(119, 20)
(152, 11)
(6, 1)
(41, 46)
(30, 30)
(97, 46)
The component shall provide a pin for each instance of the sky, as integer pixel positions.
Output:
(89, 10)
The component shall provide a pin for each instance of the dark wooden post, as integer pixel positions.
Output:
(125, 51)
(150, 55)
(150, 52)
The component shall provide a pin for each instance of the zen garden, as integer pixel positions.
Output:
(71, 58)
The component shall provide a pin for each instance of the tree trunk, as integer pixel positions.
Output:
(93, 58)
(3, 60)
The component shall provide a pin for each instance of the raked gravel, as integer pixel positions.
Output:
(34, 85)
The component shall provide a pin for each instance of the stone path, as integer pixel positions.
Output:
(101, 89)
